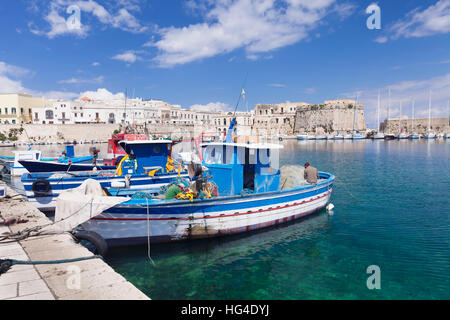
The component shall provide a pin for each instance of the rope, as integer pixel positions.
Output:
(148, 235)
(348, 191)
(6, 264)
(21, 235)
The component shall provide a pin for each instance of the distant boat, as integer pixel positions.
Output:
(388, 136)
(378, 135)
(320, 137)
(338, 136)
(358, 136)
(401, 135)
(348, 136)
(302, 136)
(311, 138)
(414, 135)
(447, 136)
(330, 137)
(430, 134)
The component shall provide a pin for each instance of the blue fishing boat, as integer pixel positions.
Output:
(250, 196)
(53, 166)
(17, 169)
(148, 165)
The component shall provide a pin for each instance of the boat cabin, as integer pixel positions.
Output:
(146, 155)
(239, 168)
(113, 144)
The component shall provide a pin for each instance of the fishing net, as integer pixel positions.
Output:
(291, 177)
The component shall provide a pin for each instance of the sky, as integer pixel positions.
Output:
(201, 53)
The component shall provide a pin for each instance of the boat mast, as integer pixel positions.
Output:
(378, 112)
(354, 113)
(429, 111)
(388, 107)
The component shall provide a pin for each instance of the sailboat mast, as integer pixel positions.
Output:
(354, 112)
(378, 112)
(388, 107)
(429, 111)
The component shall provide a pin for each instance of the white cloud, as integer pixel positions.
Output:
(259, 26)
(212, 106)
(128, 56)
(310, 90)
(10, 78)
(96, 64)
(277, 85)
(97, 80)
(102, 94)
(60, 95)
(57, 18)
(431, 21)
(381, 39)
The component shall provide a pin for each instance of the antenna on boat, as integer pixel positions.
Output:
(233, 121)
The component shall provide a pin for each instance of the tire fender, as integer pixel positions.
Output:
(94, 238)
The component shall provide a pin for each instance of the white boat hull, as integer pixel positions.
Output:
(120, 229)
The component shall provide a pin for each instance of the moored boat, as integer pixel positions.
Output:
(252, 196)
(148, 165)
(378, 136)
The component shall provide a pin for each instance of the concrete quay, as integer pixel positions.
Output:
(83, 280)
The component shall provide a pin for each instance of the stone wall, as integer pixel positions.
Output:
(329, 117)
(439, 125)
(95, 132)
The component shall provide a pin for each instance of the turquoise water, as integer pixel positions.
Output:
(391, 210)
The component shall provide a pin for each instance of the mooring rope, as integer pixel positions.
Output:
(6, 264)
(148, 235)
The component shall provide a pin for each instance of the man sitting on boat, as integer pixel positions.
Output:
(311, 174)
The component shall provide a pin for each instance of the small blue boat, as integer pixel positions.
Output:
(17, 169)
(147, 166)
(53, 166)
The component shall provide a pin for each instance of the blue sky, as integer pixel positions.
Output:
(198, 52)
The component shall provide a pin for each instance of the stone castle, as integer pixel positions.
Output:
(299, 117)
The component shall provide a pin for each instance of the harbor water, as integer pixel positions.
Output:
(392, 210)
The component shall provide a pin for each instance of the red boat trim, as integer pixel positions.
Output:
(211, 217)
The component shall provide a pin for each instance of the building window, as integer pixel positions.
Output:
(49, 114)
(36, 116)
(6, 110)
(21, 110)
